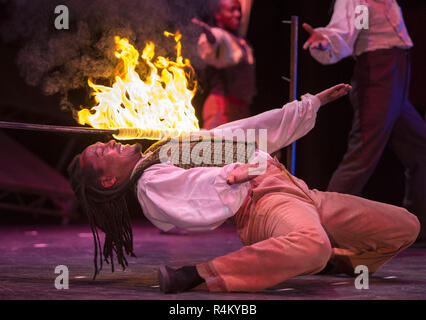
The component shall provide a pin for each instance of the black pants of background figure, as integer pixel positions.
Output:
(382, 114)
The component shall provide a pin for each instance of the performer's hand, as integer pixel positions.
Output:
(200, 23)
(333, 93)
(316, 40)
(241, 174)
(206, 29)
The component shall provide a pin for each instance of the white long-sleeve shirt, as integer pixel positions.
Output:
(228, 50)
(386, 29)
(231, 65)
(199, 198)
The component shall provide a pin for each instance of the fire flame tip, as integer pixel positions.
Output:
(161, 103)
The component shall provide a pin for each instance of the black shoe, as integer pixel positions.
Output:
(180, 280)
(329, 269)
(419, 244)
(165, 275)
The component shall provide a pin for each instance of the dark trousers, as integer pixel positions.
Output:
(382, 114)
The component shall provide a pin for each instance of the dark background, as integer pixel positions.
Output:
(318, 153)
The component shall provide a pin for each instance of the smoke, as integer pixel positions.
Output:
(60, 61)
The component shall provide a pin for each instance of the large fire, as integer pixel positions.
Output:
(156, 107)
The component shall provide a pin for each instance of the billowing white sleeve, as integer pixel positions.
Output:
(283, 126)
(196, 199)
(221, 54)
(340, 32)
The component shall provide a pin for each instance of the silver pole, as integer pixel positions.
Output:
(291, 150)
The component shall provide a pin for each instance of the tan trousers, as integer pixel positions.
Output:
(289, 230)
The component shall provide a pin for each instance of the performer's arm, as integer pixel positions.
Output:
(216, 46)
(287, 124)
(206, 29)
(188, 199)
(283, 125)
(336, 41)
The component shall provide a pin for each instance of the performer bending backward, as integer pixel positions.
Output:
(381, 82)
(286, 228)
(231, 69)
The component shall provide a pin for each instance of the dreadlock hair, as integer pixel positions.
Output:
(106, 210)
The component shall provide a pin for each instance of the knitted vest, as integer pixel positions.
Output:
(192, 151)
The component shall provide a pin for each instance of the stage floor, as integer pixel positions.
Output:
(29, 256)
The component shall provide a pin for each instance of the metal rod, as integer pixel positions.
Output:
(119, 133)
(52, 128)
(291, 150)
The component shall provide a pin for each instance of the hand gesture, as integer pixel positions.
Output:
(316, 40)
(333, 93)
(201, 24)
(206, 29)
(242, 174)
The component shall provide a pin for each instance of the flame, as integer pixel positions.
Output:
(157, 107)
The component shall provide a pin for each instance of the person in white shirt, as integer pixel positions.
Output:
(287, 228)
(380, 43)
(230, 71)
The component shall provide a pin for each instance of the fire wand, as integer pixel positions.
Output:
(119, 133)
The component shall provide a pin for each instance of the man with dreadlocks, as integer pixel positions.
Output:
(287, 228)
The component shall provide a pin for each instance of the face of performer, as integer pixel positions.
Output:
(114, 160)
(229, 15)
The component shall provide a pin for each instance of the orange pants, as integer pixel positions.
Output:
(290, 230)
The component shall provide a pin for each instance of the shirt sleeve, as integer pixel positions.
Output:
(340, 32)
(171, 196)
(283, 126)
(221, 54)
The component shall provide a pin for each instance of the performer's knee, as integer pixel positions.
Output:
(411, 227)
(319, 252)
(407, 228)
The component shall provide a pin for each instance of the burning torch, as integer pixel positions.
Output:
(119, 133)
(153, 109)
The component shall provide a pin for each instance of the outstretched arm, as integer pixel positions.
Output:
(206, 29)
(337, 40)
(217, 47)
(287, 124)
(333, 93)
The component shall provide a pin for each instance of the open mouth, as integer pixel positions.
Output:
(119, 147)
